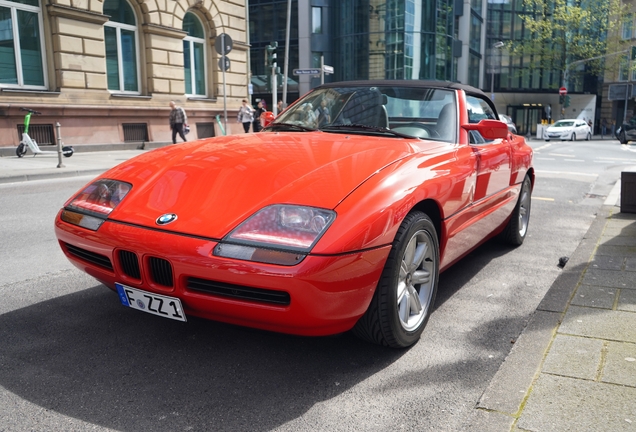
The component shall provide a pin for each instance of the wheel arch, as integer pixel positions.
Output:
(431, 209)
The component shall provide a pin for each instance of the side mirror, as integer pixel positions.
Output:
(489, 129)
(266, 118)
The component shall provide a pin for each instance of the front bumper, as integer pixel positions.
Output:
(325, 294)
(557, 135)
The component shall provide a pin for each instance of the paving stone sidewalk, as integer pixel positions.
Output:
(574, 366)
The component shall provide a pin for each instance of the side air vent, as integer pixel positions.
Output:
(160, 271)
(129, 264)
(88, 256)
(239, 292)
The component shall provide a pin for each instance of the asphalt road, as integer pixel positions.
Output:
(73, 358)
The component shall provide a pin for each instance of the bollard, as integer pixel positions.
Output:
(628, 192)
(59, 146)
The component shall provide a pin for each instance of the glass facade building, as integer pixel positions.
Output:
(395, 39)
(361, 39)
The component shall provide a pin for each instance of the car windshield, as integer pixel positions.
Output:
(392, 111)
(566, 123)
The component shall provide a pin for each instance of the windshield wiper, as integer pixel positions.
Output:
(365, 128)
(287, 126)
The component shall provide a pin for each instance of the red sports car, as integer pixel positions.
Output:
(338, 216)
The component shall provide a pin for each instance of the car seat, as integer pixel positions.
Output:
(447, 122)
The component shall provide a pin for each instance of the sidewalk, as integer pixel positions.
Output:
(44, 166)
(573, 368)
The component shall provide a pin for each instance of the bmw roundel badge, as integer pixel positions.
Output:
(165, 219)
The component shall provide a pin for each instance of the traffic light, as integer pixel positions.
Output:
(270, 54)
(634, 53)
(567, 102)
(561, 100)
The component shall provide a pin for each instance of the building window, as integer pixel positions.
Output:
(316, 61)
(473, 72)
(21, 56)
(316, 20)
(120, 38)
(475, 33)
(623, 70)
(628, 27)
(194, 55)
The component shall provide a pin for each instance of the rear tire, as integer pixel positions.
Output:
(517, 228)
(404, 297)
(622, 138)
(20, 150)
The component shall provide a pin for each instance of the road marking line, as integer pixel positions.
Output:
(574, 160)
(559, 154)
(567, 172)
(542, 199)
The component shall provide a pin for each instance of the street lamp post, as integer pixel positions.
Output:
(495, 46)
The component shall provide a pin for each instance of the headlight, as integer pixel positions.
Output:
(90, 208)
(278, 234)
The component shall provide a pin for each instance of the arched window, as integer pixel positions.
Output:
(21, 54)
(120, 38)
(194, 55)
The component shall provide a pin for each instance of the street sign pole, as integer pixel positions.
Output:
(224, 91)
(322, 69)
(223, 45)
(274, 80)
(286, 64)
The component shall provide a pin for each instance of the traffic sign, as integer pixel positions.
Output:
(306, 71)
(327, 69)
(563, 91)
(223, 39)
(224, 63)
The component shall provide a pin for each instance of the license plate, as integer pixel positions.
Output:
(156, 304)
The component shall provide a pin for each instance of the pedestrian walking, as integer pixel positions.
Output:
(257, 116)
(178, 119)
(246, 116)
(613, 126)
(280, 107)
(603, 127)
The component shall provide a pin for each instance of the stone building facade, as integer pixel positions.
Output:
(106, 70)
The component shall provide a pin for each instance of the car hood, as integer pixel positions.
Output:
(213, 185)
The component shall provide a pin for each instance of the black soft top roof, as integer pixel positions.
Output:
(406, 83)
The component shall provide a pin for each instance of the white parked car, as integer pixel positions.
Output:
(569, 129)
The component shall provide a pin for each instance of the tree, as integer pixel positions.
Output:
(559, 34)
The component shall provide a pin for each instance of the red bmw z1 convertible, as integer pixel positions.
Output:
(339, 215)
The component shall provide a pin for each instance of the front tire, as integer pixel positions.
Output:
(20, 150)
(622, 138)
(517, 228)
(405, 294)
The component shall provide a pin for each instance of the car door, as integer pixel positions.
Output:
(493, 166)
(581, 129)
(491, 194)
